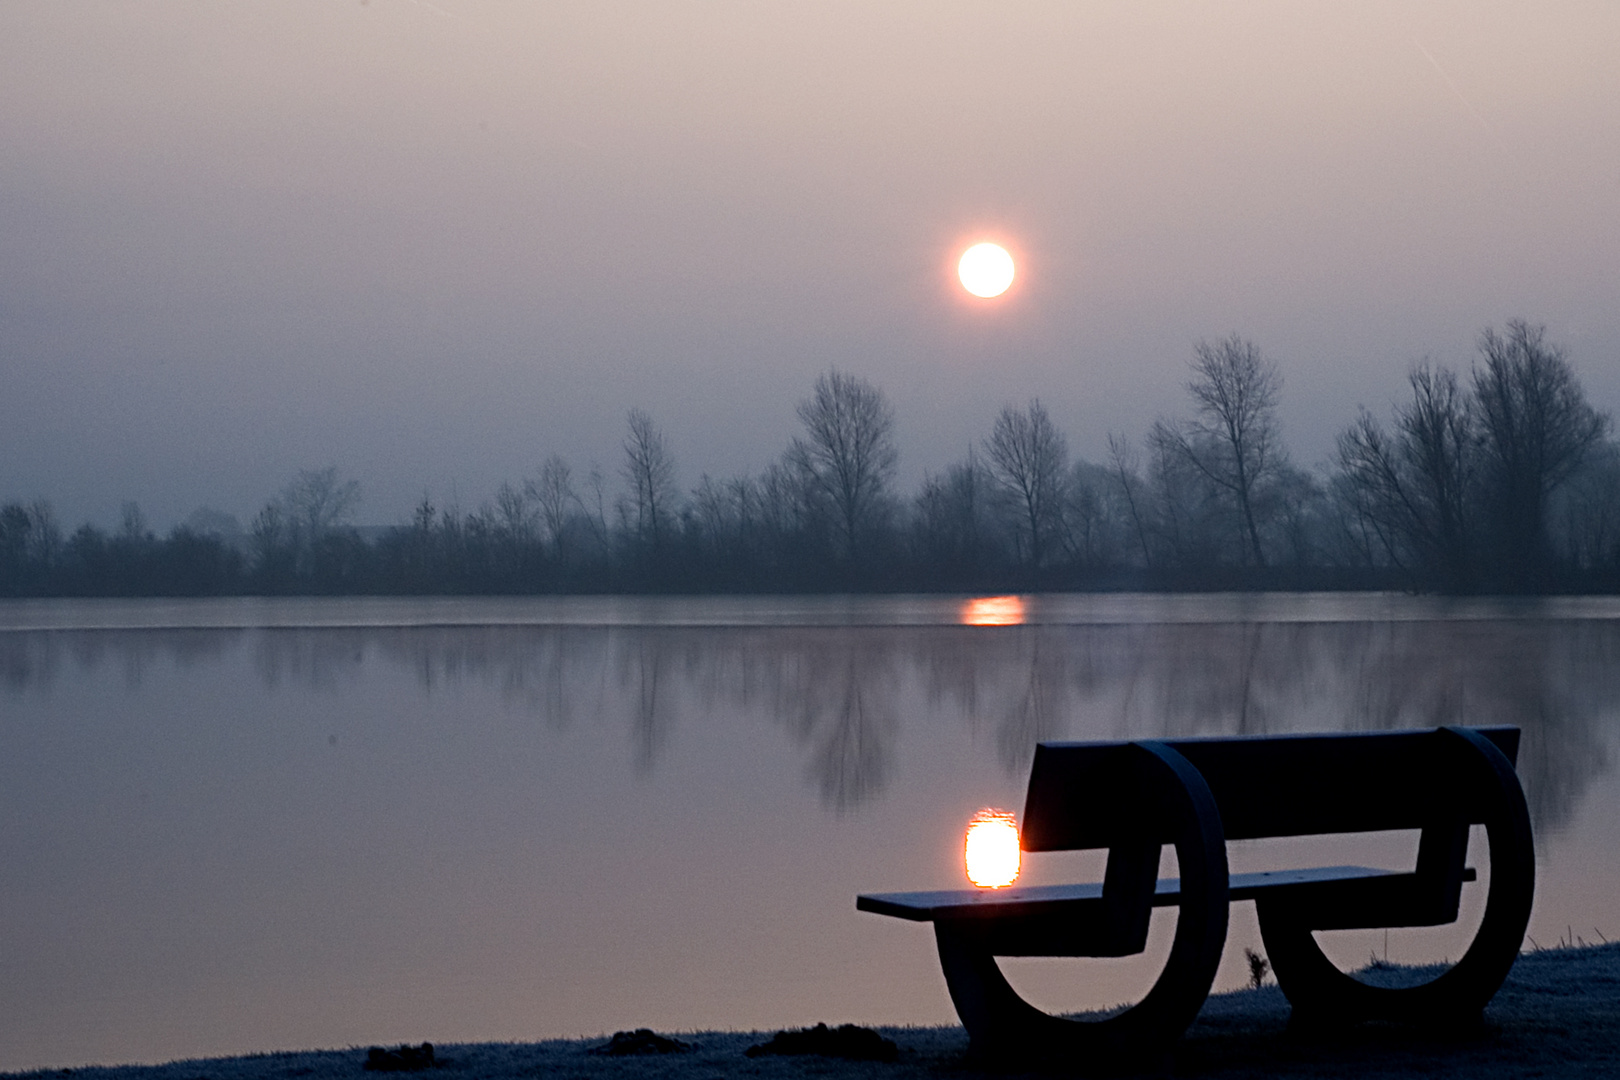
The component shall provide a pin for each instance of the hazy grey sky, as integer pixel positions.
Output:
(431, 243)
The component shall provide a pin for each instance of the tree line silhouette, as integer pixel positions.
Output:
(1501, 479)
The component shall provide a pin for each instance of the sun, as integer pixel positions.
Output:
(986, 270)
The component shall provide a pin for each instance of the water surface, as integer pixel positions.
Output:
(230, 826)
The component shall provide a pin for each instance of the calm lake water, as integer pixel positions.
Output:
(234, 826)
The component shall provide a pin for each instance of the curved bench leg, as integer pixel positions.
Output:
(1003, 1025)
(997, 1020)
(1322, 994)
(1318, 993)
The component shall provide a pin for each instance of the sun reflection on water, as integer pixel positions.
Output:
(993, 611)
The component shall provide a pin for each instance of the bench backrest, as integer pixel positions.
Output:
(1088, 794)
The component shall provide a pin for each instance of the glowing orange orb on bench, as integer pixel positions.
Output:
(991, 849)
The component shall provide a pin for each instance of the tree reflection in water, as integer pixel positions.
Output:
(835, 693)
(839, 693)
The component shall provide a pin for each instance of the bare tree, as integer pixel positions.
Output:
(316, 502)
(30, 544)
(596, 507)
(132, 527)
(1302, 513)
(1434, 432)
(1089, 525)
(273, 544)
(649, 468)
(44, 534)
(1587, 510)
(1187, 522)
(553, 493)
(1122, 463)
(1232, 440)
(1369, 485)
(1028, 456)
(1413, 490)
(1535, 429)
(516, 519)
(210, 521)
(780, 503)
(847, 457)
(950, 516)
(288, 533)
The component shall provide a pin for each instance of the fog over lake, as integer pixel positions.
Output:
(432, 243)
(251, 825)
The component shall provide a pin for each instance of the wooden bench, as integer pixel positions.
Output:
(1134, 797)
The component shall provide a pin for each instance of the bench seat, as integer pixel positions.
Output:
(1074, 900)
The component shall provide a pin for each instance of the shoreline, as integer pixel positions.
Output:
(1558, 1015)
(765, 610)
